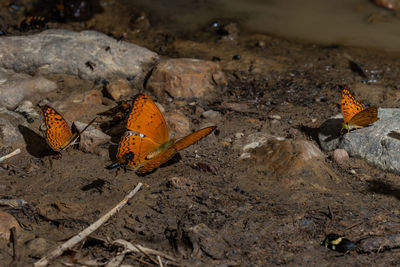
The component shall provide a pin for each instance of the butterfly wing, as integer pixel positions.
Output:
(133, 149)
(147, 119)
(193, 138)
(364, 117)
(58, 134)
(156, 161)
(350, 106)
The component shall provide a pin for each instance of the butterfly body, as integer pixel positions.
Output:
(146, 145)
(355, 116)
(58, 134)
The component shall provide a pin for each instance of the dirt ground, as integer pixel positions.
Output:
(229, 212)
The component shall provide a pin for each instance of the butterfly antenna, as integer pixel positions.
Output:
(87, 126)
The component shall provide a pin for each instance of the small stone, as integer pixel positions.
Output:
(160, 107)
(180, 182)
(352, 171)
(178, 124)
(93, 97)
(212, 115)
(27, 107)
(274, 117)
(239, 135)
(9, 131)
(7, 221)
(313, 120)
(340, 156)
(119, 88)
(38, 247)
(186, 78)
(91, 138)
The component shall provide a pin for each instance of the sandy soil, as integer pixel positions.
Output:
(246, 215)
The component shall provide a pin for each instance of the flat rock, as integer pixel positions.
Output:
(78, 53)
(186, 78)
(15, 87)
(91, 138)
(378, 144)
(178, 124)
(119, 88)
(9, 133)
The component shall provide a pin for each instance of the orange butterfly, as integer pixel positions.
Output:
(354, 114)
(58, 134)
(146, 144)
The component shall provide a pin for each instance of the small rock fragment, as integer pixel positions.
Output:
(7, 221)
(212, 115)
(180, 182)
(118, 89)
(186, 78)
(38, 247)
(178, 124)
(340, 156)
(91, 138)
(93, 97)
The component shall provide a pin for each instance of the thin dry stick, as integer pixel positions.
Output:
(146, 254)
(15, 152)
(159, 261)
(86, 232)
(129, 247)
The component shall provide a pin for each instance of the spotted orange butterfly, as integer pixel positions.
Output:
(354, 114)
(58, 134)
(146, 145)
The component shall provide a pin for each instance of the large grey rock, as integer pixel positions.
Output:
(68, 52)
(9, 133)
(14, 87)
(378, 144)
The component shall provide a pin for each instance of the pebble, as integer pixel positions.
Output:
(212, 115)
(91, 138)
(274, 117)
(118, 89)
(178, 124)
(186, 78)
(340, 156)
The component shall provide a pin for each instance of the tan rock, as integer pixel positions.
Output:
(186, 78)
(93, 97)
(340, 156)
(7, 221)
(178, 124)
(118, 89)
(38, 247)
(91, 138)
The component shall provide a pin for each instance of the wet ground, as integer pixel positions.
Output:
(247, 215)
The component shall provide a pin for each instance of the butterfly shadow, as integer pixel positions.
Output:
(35, 144)
(384, 188)
(330, 129)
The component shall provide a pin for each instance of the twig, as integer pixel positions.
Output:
(14, 242)
(159, 261)
(86, 232)
(146, 254)
(15, 152)
(129, 247)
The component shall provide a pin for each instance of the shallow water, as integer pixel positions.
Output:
(343, 22)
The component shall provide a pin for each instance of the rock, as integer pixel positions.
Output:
(340, 156)
(91, 138)
(178, 124)
(274, 117)
(209, 241)
(78, 53)
(180, 183)
(390, 4)
(378, 144)
(186, 78)
(212, 115)
(119, 88)
(15, 87)
(9, 133)
(26, 107)
(93, 97)
(38, 247)
(294, 163)
(7, 221)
